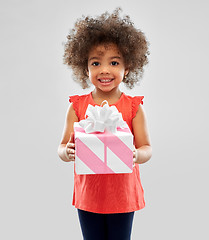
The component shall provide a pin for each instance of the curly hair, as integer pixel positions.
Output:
(104, 29)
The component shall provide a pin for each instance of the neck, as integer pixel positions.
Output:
(113, 94)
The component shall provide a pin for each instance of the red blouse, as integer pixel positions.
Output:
(109, 193)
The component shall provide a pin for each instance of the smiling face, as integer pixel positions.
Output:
(106, 67)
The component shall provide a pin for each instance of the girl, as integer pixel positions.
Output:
(106, 51)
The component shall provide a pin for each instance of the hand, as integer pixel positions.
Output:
(134, 156)
(70, 149)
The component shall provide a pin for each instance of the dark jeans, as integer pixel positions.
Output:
(97, 226)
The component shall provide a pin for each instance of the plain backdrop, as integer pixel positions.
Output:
(36, 186)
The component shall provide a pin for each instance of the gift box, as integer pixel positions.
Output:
(103, 142)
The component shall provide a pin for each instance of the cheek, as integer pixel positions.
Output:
(122, 72)
(88, 70)
(90, 73)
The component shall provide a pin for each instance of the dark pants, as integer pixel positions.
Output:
(97, 226)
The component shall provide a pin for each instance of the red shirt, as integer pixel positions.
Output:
(109, 193)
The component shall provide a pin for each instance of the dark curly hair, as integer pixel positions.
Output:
(104, 29)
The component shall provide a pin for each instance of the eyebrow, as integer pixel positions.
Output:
(116, 57)
(96, 58)
(92, 58)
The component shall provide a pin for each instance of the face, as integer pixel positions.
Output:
(106, 67)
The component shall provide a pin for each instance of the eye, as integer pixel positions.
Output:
(114, 63)
(95, 64)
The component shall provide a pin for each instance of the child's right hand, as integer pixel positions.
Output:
(70, 149)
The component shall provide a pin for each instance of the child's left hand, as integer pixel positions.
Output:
(134, 156)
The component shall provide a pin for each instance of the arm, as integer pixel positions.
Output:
(66, 149)
(143, 151)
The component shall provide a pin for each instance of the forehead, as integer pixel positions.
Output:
(103, 49)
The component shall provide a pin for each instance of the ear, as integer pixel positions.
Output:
(87, 72)
(126, 71)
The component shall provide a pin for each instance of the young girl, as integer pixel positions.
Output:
(106, 51)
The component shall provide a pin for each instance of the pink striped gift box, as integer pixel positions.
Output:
(103, 153)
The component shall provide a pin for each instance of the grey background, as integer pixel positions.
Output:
(36, 186)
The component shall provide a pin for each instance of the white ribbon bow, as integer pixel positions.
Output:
(101, 118)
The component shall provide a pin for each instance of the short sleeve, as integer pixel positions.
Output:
(75, 101)
(136, 101)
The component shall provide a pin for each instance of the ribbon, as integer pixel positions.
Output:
(102, 118)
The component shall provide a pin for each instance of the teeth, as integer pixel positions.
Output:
(105, 80)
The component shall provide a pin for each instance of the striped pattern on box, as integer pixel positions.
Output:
(103, 153)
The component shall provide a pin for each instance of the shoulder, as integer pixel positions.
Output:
(134, 103)
(77, 98)
(133, 99)
(79, 104)
(71, 113)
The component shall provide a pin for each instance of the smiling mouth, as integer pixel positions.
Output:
(105, 80)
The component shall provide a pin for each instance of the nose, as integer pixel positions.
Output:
(104, 69)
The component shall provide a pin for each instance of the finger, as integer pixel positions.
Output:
(70, 145)
(134, 161)
(70, 154)
(70, 151)
(67, 154)
(72, 157)
(134, 153)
